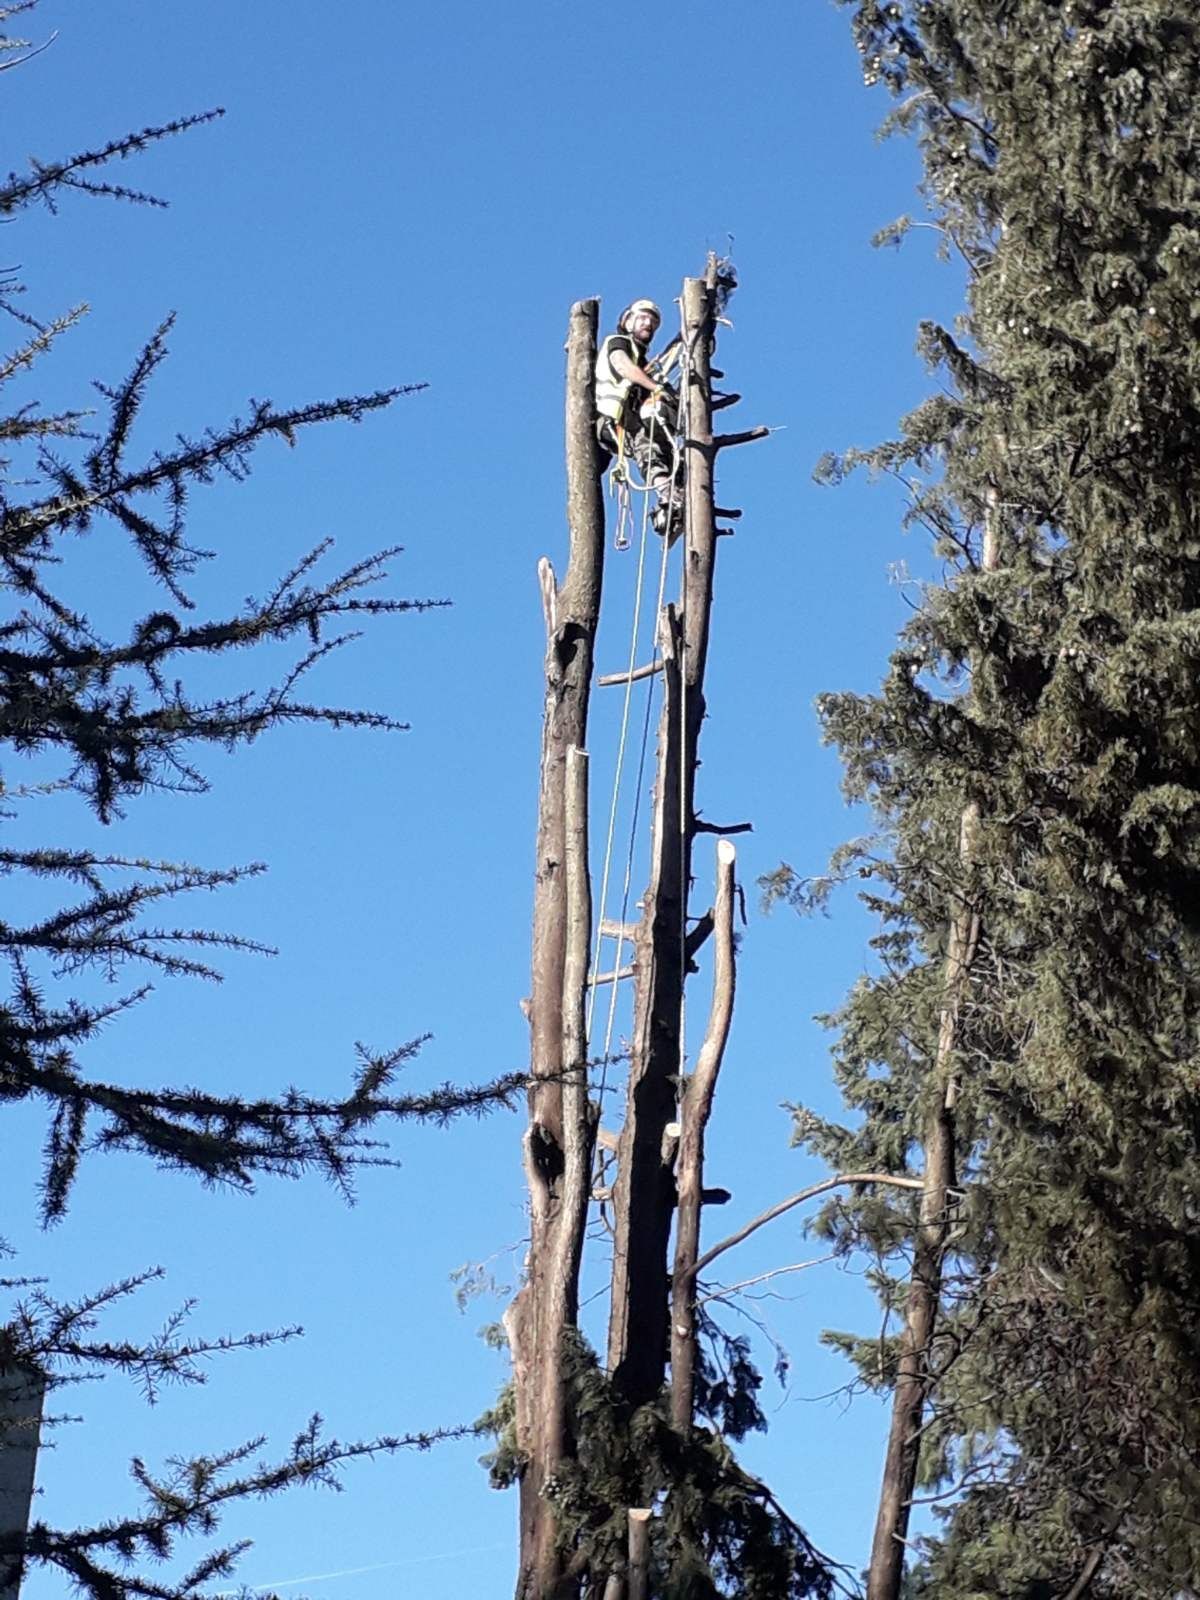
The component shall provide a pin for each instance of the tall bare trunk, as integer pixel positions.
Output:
(644, 1193)
(558, 1137)
(560, 1133)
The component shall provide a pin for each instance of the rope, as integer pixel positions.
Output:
(685, 392)
(618, 774)
(637, 805)
(616, 791)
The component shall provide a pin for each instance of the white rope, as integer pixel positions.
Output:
(637, 801)
(685, 391)
(631, 851)
(616, 789)
(620, 762)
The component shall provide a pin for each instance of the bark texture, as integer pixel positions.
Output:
(644, 1193)
(695, 1109)
(558, 1138)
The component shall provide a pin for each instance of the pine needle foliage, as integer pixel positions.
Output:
(1055, 690)
(106, 719)
(718, 1531)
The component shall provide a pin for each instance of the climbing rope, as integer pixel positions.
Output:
(627, 880)
(685, 392)
(620, 763)
(623, 509)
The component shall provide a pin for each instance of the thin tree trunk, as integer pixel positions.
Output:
(913, 1372)
(639, 1553)
(924, 1289)
(696, 1106)
(558, 1137)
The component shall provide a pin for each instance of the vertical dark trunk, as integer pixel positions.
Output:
(644, 1194)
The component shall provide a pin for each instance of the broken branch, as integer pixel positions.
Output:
(612, 977)
(887, 1178)
(647, 671)
(721, 441)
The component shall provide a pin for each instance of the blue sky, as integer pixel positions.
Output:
(402, 195)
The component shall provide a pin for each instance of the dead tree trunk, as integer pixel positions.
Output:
(914, 1371)
(644, 1194)
(695, 1108)
(559, 1136)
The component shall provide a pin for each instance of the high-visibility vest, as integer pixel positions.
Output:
(612, 393)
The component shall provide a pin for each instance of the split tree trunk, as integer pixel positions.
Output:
(914, 1375)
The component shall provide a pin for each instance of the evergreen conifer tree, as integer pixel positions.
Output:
(1051, 694)
(106, 720)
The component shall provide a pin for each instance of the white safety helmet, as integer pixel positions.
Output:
(641, 305)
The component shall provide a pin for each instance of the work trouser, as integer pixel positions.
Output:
(651, 447)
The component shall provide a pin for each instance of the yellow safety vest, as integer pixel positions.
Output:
(612, 393)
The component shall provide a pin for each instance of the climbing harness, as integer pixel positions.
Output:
(674, 354)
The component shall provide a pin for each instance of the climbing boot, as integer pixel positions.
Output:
(667, 520)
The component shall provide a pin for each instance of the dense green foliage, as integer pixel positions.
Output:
(1060, 694)
(718, 1531)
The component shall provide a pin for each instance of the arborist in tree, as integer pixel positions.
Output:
(636, 409)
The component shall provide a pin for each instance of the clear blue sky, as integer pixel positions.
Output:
(405, 194)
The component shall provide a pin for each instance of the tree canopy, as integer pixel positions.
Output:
(1046, 693)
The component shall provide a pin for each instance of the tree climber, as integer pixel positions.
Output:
(635, 410)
